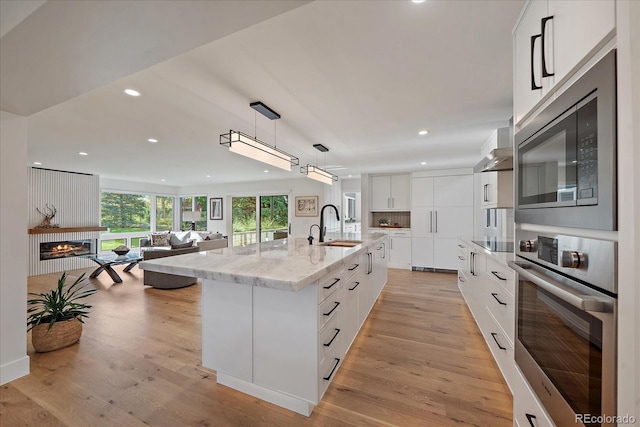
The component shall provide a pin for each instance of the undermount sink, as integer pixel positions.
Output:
(342, 243)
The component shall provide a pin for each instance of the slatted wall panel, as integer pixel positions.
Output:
(77, 201)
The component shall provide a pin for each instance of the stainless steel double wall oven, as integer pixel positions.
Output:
(567, 278)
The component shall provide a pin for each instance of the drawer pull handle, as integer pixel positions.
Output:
(331, 285)
(461, 258)
(494, 335)
(461, 246)
(332, 310)
(334, 337)
(495, 296)
(354, 267)
(328, 377)
(461, 279)
(495, 273)
(357, 283)
(530, 418)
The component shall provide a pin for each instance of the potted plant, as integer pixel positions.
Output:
(55, 317)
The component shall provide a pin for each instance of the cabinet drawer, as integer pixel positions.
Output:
(328, 309)
(329, 339)
(502, 351)
(503, 276)
(351, 270)
(329, 284)
(462, 260)
(527, 411)
(327, 371)
(502, 307)
(397, 233)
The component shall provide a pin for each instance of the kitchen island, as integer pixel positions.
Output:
(278, 317)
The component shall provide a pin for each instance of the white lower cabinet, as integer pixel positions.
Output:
(285, 347)
(527, 411)
(400, 249)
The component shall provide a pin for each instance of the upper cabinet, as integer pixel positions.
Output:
(551, 40)
(496, 189)
(391, 192)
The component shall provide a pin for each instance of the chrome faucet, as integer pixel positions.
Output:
(323, 230)
(310, 238)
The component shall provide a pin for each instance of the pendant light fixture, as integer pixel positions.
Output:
(314, 172)
(250, 146)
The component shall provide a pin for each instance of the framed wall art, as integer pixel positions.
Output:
(306, 206)
(215, 208)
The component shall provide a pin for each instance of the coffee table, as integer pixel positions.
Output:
(106, 263)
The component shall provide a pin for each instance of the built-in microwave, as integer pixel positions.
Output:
(566, 156)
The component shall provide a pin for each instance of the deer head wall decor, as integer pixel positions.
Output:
(48, 213)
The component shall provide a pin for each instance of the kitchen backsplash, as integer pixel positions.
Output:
(402, 219)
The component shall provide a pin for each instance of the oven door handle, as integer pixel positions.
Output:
(562, 291)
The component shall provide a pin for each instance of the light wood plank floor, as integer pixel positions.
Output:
(419, 360)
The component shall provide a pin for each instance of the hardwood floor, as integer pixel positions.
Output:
(419, 360)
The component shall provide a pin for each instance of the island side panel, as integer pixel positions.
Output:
(286, 341)
(227, 323)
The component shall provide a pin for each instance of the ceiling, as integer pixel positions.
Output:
(360, 77)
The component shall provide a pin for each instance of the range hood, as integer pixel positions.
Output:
(499, 159)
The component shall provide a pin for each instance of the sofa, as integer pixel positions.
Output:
(172, 244)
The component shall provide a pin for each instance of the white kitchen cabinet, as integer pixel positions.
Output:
(573, 31)
(496, 189)
(391, 192)
(527, 410)
(400, 249)
(442, 211)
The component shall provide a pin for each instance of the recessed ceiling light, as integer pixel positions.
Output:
(132, 92)
(163, 180)
(266, 171)
(350, 176)
(423, 163)
(37, 163)
(153, 140)
(418, 1)
(82, 153)
(208, 176)
(423, 132)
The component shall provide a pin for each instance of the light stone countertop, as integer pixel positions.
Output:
(288, 264)
(501, 257)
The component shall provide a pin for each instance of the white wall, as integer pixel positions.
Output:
(628, 16)
(14, 361)
(109, 184)
(291, 187)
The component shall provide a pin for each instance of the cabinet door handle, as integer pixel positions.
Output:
(472, 264)
(331, 285)
(354, 266)
(389, 202)
(494, 335)
(461, 258)
(289, 229)
(495, 273)
(334, 337)
(393, 202)
(333, 309)
(486, 197)
(530, 418)
(430, 221)
(384, 250)
(328, 377)
(534, 86)
(495, 296)
(391, 243)
(543, 25)
(461, 246)
(357, 283)
(436, 216)
(370, 263)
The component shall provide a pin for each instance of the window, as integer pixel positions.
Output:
(164, 213)
(272, 218)
(125, 213)
(194, 203)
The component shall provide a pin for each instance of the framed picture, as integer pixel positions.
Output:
(216, 208)
(306, 206)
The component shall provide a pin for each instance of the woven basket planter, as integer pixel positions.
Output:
(62, 334)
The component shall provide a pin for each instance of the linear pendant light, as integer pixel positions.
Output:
(249, 146)
(318, 174)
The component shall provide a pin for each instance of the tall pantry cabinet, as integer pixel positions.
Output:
(441, 212)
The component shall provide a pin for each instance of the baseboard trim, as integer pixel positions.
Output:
(14, 370)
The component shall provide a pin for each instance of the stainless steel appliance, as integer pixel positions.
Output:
(566, 323)
(566, 156)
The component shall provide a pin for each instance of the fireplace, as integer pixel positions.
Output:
(67, 249)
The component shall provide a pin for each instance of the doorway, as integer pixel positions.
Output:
(252, 225)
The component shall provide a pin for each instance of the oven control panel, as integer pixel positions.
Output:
(592, 261)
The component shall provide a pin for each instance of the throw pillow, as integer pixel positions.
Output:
(175, 239)
(159, 239)
(182, 245)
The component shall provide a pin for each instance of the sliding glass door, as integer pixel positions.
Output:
(252, 225)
